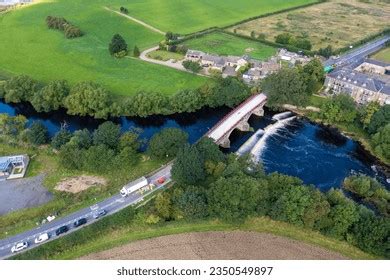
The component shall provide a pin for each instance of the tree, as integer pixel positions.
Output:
(50, 97)
(117, 46)
(130, 139)
(124, 10)
(169, 36)
(303, 44)
(82, 139)
(136, 52)
(229, 92)
(188, 167)
(209, 151)
(381, 142)
(88, 99)
(235, 198)
(72, 31)
(10, 125)
(37, 133)
(61, 138)
(339, 109)
(70, 156)
(107, 134)
(98, 159)
(283, 38)
(367, 112)
(167, 142)
(285, 87)
(193, 203)
(193, 66)
(20, 88)
(326, 52)
(379, 119)
(163, 206)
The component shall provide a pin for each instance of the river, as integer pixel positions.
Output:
(290, 145)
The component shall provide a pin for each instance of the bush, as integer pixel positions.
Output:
(124, 10)
(62, 24)
(37, 133)
(193, 66)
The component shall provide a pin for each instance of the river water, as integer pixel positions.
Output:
(290, 145)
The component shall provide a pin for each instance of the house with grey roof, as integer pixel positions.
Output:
(372, 66)
(362, 87)
(13, 167)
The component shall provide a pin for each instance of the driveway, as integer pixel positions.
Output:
(22, 193)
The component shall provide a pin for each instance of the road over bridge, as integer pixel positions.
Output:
(237, 119)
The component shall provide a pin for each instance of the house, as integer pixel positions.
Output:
(229, 71)
(260, 70)
(363, 88)
(292, 57)
(14, 2)
(372, 66)
(13, 167)
(213, 62)
(193, 55)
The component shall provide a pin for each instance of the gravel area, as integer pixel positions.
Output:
(22, 193)
(217, 245)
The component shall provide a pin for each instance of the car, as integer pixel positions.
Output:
(80, 222)
(19, 247)
(161, 180)
(42, 238)
(61, 230)
(99, 213)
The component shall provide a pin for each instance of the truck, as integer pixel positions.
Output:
(134, 186)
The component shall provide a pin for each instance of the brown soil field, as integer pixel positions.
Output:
(338, 23)
(240, 245)
(80, 183)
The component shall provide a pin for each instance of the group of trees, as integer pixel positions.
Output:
(372, 118)
(62, 24)
(118, 46)
(91, 99)
(289, 39)
(294, 85)
(124, 10)
(210, 184)
(192, 66)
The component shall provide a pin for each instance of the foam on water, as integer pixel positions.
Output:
(281, 116)
(248, 145)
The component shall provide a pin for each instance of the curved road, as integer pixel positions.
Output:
(111, 205)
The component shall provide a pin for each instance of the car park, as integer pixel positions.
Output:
(42, 238)
(99, 213)
(80, 222)
(61, 230)
(19, 247)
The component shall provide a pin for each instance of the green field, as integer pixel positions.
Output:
(29, 47)
(383, 55)
(225, 44)
(186, 16)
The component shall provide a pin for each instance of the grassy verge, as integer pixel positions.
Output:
(139, 231)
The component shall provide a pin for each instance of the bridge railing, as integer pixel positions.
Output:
(230, 114)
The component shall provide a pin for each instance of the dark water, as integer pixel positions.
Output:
(316, 154)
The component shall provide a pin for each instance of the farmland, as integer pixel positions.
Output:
(225, 44)
(337, 23)
(29, 47)
(186, 16)
(383, 55)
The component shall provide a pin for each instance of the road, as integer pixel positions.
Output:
(111, 205)
(358, 54)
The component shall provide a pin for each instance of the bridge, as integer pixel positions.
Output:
(237, 119)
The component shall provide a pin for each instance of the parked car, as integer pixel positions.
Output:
(161, 180)
(80, 222)
(42, 238)
(99, 213)
(19, 247)
(61, 230)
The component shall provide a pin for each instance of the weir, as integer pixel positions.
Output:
(258, 149)
(248, 145)
(281, 116)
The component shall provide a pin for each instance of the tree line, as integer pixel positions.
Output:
(60, 23)
(91, 99)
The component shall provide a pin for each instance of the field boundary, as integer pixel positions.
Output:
(150, 27)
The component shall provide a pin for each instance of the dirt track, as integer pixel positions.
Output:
(217, 245)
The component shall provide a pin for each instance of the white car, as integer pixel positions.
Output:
(19, 247)
(42, 238)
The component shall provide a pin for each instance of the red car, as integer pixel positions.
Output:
(161, 180)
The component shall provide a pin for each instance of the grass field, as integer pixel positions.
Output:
(186, 16)
(383, 55)
(29, 47)
(337, 22)
(225, 44)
